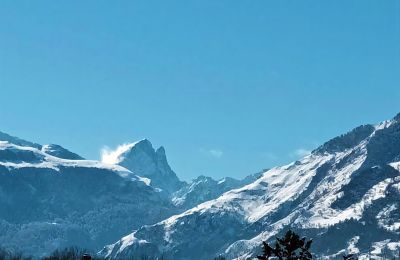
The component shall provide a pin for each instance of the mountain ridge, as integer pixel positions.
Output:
(347, 182)
(56, 193)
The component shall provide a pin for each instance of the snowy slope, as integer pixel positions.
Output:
(60, 152)
(345, 195)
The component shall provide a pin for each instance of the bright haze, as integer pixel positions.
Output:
(227, 87)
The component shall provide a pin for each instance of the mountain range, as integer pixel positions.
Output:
(345, 195)
(52, 198)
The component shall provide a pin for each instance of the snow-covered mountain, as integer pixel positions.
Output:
(47, 202)
(142, 159)
(51, 149)
(345, 195)
(205, 188)
(51, 198)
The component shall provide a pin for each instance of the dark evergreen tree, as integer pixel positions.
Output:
(350, 257)
(290, 247)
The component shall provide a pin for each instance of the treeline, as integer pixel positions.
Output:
(288, 247)
(71, 253)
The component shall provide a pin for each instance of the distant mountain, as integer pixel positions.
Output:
(345, 195)
(205, 188)
(51, 149)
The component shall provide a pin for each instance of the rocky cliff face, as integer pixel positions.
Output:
(142, 159)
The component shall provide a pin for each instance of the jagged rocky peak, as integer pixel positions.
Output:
(162, 162)
(202, 178)
(60, 152)
(143, 160)
(139, 157)
(204, 188)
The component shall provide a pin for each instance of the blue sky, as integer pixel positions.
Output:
(228, 87)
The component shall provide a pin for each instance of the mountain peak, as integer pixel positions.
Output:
(160, 151)
(143, 160)
(144, 144)
(125, 150)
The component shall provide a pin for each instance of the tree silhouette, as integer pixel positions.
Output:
(290, 247)
(350, 257)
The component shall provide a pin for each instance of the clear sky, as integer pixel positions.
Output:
(227, 87)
